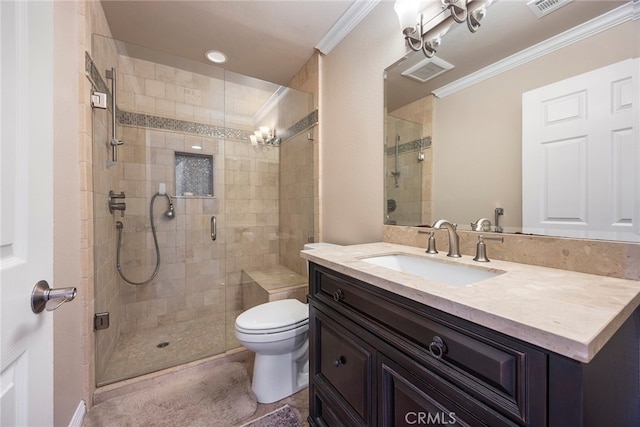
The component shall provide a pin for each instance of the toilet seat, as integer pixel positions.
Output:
(273, 317)
(271, 330)
(271, 337)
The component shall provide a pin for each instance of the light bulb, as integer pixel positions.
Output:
(264, 131)
(407, 11)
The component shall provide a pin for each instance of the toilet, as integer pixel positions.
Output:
(277, 332)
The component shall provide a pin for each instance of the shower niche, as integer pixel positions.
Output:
(194, 174)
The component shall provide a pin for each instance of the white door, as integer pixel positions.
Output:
(581, 155)
(26, 233)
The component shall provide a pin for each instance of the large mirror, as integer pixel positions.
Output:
(454, 136)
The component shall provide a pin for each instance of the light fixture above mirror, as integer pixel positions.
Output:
(425, 23)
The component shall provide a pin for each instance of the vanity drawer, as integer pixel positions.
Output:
(413, 395)
(488, 366)
(342, 365)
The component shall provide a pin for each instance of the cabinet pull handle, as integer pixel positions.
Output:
(338, 295)
(437, 347)
(340, 361)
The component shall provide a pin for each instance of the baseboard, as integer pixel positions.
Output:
(78, 416)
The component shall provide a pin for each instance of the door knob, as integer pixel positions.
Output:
(42, 293)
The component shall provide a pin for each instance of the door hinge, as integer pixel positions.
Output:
(101, 321)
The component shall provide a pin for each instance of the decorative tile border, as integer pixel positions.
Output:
(301, 126)
(128, 118)
(409, 146)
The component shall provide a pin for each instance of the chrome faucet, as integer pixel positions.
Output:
(454, 241)
(483, 224)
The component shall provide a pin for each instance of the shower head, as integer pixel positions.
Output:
(170, 213)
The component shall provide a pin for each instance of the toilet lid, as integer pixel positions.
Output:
(273, 315)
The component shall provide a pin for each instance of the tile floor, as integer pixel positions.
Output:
(155, 349)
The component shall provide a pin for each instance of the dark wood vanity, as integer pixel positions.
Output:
(380, 359)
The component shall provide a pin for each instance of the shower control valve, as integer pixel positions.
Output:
(115, 205)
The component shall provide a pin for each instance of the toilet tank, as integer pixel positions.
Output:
(319, 245)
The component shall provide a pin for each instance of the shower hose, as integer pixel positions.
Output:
(169, 214)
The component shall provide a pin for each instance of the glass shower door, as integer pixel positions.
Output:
(230, 153)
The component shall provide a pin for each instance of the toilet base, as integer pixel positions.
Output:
(278, 376)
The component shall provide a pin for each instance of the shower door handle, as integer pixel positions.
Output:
(213, 228)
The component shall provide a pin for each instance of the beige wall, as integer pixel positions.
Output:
(478, 158)
(69, 326)
(73, 225)
(351, 128)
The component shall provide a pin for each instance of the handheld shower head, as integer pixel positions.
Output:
(170, 213)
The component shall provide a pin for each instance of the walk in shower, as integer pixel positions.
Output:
(233, 156)
(407, 165)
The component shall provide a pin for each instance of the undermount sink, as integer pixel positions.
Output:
(437, 271)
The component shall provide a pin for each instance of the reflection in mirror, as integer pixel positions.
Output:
(475, 118)
(408, 163)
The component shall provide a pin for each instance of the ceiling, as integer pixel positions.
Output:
(271, 40)
(268, 40)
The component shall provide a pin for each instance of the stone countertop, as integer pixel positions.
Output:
(572, 314)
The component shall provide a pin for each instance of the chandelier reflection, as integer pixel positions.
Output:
(265, 137)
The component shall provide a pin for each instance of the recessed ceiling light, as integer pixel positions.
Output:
(216, 56)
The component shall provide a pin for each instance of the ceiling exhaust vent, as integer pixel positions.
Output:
(544, 7)
(427, 69)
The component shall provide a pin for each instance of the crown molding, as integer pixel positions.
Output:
(627, 12)
(347, 22)
(270, 104)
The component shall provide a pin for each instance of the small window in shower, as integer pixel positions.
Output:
(194, 174)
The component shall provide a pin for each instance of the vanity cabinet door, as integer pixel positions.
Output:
(325, 412)
(412, 394)
(406, 401)
(342, 366)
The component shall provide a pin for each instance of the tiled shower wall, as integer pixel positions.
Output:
(307, 79)
(296, 201)
(407, 194)
(414, 124)
(197, 277)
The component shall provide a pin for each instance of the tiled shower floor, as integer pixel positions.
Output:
(151, 350)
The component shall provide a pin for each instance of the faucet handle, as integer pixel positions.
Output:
(481, 248)
(431, 249)
(482, 224)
